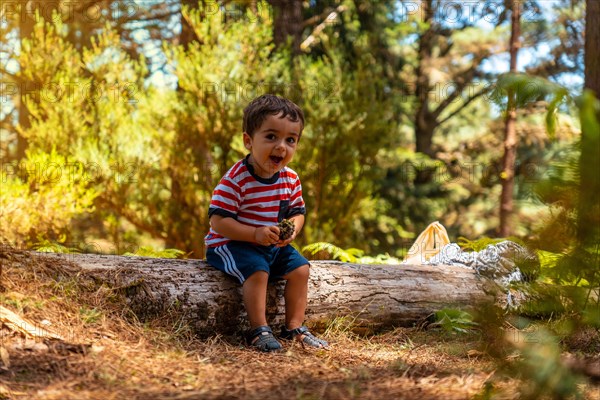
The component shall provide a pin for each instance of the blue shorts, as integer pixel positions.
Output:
(242, 259)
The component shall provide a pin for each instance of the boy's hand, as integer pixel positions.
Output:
(266, 235)
(287, 241)
(287, 232)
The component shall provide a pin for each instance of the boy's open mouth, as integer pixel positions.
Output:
(276, 159)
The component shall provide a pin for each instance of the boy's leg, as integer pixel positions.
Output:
(296, 293)
(296, 298)
(248, 264)
(255, 300)
(294, 268)
(254, 293)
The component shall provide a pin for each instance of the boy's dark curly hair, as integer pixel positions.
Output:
(269, 104)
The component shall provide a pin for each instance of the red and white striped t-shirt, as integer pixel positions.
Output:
(253, 200)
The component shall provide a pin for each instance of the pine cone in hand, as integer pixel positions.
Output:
(286, 229)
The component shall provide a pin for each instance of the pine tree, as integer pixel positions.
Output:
(507, 176)
(589, 207)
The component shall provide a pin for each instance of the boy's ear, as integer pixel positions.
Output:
(247, 141)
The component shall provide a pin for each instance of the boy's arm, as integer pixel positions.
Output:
(235, 230)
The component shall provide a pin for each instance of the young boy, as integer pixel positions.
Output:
(253, 196)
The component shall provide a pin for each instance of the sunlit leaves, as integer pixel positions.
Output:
(41, 195)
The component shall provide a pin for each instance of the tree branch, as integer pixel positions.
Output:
(466, 78)
(154, 228)
(466, 103)
(305, 45)
(317, 18)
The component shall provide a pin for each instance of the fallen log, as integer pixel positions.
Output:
(373, 297)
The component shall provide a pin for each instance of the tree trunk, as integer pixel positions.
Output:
(288, 23)
(187, 34)
(507, 176)
(424, 124)
(371, 297)
(26, 24)
(589, 162)
(592, 46)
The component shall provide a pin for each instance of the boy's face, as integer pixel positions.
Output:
(273, 145)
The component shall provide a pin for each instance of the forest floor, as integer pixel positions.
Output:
(106, 353)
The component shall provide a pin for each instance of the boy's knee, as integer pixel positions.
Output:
(300, 273)
(258, 276)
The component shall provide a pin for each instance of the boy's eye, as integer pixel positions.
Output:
(291, 140)
(271, 136)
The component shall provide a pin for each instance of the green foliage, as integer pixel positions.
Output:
(530, 352)
(217, 76)
(152, 156)
(561, 183)
(541, 370)
(548, 259)
(82, 114)
(349, 122)
(528, 89)
(566, 258)
(154, 168)
(551, 114)
(351, 255)
(566, 295)
(589, 107)
(80, 97)
(567, 29)
(41, 196)
(44, 245)
(148, 251)
(151, 167)
(464, 186)
(477, 244)
(343, 324)
(454, 320)
(577, 267)
(90, 315)
(335, 252)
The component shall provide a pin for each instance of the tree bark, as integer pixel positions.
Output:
(592, 46)
(288, 23)
(26, 24)
(588, 227)
(507, 176)
(187, 34)
(425, 122)
(370, 297)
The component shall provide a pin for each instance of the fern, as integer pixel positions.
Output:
(148, 251)
(336, 253)
(44, 245)
(351, 255)
(454, 321)
(476, 245)
(548, 259)
(480, 244)
(379, 259)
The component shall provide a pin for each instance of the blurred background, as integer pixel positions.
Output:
(118, 118)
